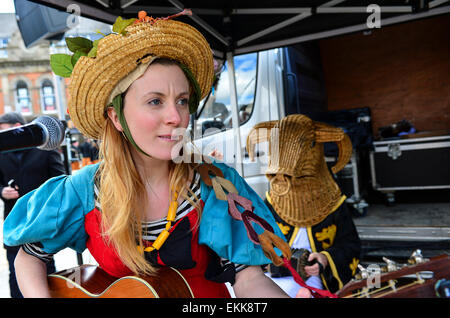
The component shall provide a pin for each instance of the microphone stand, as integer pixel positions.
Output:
(65, 147)
(68, 164)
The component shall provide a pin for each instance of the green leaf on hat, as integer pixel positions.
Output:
(76, 56)
(93, 51)
(61, 64)
(120, 25)
(79, 44)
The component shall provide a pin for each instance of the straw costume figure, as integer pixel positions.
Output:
(306, 201)
(138, 209)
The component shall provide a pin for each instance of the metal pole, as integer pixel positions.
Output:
(59, 97)
(234, 114)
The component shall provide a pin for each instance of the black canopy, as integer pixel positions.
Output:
(241, 26)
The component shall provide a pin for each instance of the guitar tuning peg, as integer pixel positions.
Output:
(387, 260)
(390, 265)
(363, 273)
(417, 258)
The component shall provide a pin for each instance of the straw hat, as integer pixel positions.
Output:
(302, 190)
(94, 78)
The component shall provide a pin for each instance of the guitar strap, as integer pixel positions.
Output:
(224, 190)
(317, 293)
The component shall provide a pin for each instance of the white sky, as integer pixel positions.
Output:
(7, 6)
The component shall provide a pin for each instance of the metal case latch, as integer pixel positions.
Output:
(394, 151)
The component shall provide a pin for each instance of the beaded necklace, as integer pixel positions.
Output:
(162, 237)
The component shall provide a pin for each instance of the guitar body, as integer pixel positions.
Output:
(90, 281)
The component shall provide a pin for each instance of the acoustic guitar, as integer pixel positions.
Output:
(417, 279)
(90, 281)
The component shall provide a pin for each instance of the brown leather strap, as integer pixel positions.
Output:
(233, 198)
(219, 184)
(247, 216)
(205, 170)
(268, 240)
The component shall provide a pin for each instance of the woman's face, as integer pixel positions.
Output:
(155, 105)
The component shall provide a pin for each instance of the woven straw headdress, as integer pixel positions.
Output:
(302, 190)
(94, 78)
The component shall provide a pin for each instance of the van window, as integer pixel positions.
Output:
(214, 114)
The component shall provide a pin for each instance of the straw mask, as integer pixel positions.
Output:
(302, 190)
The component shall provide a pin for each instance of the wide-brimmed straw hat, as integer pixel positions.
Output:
(94, 78)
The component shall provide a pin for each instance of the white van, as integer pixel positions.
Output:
(260, 84)
(270, 85)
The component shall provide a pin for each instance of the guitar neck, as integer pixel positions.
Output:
(440, 266)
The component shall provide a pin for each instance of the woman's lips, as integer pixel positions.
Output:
(169, 138)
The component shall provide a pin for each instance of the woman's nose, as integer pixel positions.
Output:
(172, 115)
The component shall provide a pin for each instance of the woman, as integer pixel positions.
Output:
(134, 92)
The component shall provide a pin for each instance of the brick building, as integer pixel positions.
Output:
(27, 84)
(399, 71)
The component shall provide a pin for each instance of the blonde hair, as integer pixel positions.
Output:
(121, 193)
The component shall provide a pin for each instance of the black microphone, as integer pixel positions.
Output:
(44, 132)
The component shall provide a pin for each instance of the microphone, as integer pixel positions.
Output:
(44, 132)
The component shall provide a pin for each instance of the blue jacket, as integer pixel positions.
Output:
(54, 215)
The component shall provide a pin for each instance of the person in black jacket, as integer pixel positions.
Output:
(20, 172)
(307, 203)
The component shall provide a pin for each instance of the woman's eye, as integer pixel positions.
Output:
(183, 101)
(155, 101)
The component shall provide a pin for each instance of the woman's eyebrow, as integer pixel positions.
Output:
(162, 94)
(183, 93)
(152, 93)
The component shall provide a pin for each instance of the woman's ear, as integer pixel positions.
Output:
(114, 118)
